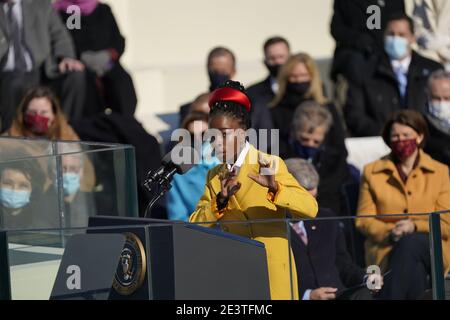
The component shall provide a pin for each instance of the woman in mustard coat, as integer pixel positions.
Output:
(251, 186)
(408, 181)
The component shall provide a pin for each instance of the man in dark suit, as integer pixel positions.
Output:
(221, 66)
(325, 270)
(276, 53)
(397, 80)
(36, 48)
(355, 42)
(438, 116)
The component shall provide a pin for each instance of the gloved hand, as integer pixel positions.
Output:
(97, 61)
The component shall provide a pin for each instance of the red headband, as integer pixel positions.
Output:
(229, 94)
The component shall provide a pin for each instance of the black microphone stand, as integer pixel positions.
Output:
(163, 185)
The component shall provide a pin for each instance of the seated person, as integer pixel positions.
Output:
(356, 44)
(200, 104)
(407, 181)
(221, 66)
(395, 81)
(40, 116)
(276, 53)
(310, 139)
(299, 81)
(37, 50)
(78, 205)
(100, 45)
(324, 266)
(438, 116)
(21, 192)
(187, 189)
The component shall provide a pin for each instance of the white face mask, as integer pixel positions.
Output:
(440, 110)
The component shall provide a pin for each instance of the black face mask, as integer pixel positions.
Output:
(298, 88)
(216, 79)
(273, 69)
(295, 94)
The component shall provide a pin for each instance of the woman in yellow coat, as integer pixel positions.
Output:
(408, 181)
(251, 186)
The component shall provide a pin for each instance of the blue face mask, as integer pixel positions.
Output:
(396, 47)
(305, 152)
(71, 183)
(13, 199)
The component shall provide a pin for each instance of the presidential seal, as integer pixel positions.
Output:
(130, 273)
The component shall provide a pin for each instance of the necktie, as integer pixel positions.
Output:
(16, 40)
(402, 81)
(301, 232)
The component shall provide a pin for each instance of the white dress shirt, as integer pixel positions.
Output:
(402, 64)
(301, 225)
(274, 85)
(240, 159)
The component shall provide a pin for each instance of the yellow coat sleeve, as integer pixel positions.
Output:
(206, 210)
(373, 228)
(293, 197)
(442, 204)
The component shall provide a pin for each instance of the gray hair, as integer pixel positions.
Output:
(438, 75)
(311, 115)
(304, 172)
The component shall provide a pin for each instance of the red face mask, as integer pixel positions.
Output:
(36, 123)
(404, 148)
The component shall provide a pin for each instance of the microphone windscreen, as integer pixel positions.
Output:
(182, 157)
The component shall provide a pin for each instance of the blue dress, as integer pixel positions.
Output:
(188, 188)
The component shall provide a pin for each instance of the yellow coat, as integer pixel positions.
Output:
(383, 192)
(251, 203)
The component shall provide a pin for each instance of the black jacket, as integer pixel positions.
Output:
(349, 23)
(331, 163)
(325, 261)
(370, 103)
(438, 143)
(99, 31)
(261, 92)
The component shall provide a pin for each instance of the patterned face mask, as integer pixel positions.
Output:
(404, 148)
(36, 123)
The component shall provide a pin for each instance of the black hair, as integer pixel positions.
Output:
(400, 16)
(29, 167)
(274, 40)
(230, 108)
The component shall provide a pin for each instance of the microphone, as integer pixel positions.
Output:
(171, 164)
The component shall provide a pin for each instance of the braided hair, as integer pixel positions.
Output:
(230, 108)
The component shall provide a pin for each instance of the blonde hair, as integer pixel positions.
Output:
(314, 92)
